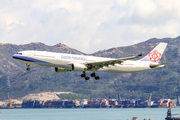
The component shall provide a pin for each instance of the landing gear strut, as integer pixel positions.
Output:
(28, 69)
(84, 75)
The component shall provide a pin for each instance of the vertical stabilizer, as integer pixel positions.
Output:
(156, 54)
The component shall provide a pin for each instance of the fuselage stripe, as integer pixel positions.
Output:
(24, 58)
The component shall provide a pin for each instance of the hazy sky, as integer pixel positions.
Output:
(88, 25)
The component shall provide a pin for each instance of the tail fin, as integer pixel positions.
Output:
(156, 53)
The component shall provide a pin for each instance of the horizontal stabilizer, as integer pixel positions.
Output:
(157, 65)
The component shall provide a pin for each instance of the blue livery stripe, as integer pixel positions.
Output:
(24, 58)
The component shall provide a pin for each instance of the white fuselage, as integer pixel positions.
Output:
(65, 61)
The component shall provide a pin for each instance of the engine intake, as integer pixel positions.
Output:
(78, 67)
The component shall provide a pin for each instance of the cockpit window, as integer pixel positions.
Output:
(19, 53)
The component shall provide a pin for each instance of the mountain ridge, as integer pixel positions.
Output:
(44, 79)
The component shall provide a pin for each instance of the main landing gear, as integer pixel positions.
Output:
(92, 75)
(84, 75)
(28, 69)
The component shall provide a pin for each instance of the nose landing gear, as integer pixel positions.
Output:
(28, 69)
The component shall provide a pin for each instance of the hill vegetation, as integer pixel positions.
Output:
(72, 96)
(162, 82)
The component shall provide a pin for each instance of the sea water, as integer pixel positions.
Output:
(86, 114)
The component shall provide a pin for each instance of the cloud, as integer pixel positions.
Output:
(88, 25)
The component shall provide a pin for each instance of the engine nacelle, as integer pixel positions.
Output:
(58, 69)
(78, 67)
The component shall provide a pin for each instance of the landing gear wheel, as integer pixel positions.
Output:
(93, 74)
(28, 69)
(86, 78)
(83, 75)
(97, 77)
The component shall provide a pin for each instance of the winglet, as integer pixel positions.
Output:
(156, 54)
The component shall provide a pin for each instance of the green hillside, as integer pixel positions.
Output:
(161, 82)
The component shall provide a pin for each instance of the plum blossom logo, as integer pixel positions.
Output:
(154, 56)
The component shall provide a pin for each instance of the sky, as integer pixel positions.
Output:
(88, 25)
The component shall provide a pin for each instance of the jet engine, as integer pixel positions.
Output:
(78, 67)
(58, 69)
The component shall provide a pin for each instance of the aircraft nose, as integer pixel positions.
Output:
(14, 56)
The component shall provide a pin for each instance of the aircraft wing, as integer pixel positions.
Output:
(100, 64)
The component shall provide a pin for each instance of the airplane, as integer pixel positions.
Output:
(70, 62)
